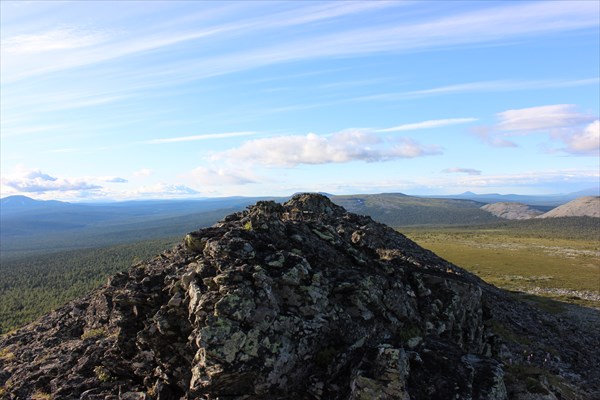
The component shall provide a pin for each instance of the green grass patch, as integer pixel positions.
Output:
(520, 262)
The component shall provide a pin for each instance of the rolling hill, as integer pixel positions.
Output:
(588, 206)
(509, 210)
(396, 209)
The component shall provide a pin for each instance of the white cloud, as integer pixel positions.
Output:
(341, 147)
(207, 136)
(218, 177)
(489, 136)
(468, 171)
(533, 178)
(36, 181)
(436, 123)
(563, 122)
(113, 179)
(142, 173)
(542, 118)
(545, 181)
(164, 190)
(586, 142)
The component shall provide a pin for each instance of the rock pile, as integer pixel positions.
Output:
(298, 301)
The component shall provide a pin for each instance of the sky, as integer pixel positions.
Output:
(104, 101)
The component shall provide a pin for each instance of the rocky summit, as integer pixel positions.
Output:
(300, 300)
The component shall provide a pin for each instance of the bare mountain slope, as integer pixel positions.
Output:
(510, 210)
(588, 206)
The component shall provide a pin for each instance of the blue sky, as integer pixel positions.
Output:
(129, 100)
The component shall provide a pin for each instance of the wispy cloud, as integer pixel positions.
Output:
(532, 178)
(481, 87)
(542, 118)
(340, 147)
(219, 176)
(63, 38)
(90, 47)
(163, 190)
(207, 136)
(489, 136)
(65, 150)
(143, 173)
(9, 130)
(113, 179)
(489, 25)
(545, 180)
(468, 171)
(435, 123)
(576, 130)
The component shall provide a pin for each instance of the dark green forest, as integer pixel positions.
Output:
(33, 285)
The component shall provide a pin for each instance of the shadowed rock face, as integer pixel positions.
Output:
(295, 301)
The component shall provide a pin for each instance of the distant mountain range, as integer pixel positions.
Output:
(33, 225)
(550, 200)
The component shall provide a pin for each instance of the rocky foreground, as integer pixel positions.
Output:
(299, 301)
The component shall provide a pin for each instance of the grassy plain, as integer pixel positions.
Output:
(544, 263)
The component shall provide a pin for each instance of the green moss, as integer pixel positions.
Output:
(248, 226)
(94, 333)
(102, 374)
(6, 355)
(39, 395)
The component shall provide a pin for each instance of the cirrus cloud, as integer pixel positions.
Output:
(468, 171)
(542, 118)
(62, 38)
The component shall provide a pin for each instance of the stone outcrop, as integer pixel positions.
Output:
(298, 301)
(510, 210)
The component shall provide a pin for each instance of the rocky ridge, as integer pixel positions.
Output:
(299, 301)
(509, 210)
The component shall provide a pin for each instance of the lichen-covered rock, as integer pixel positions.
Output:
(295, 301)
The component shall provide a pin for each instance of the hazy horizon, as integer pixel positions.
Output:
(148, 100)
